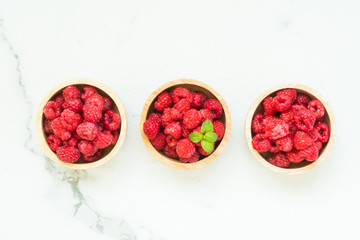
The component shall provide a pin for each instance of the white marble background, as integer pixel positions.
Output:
(241, 48)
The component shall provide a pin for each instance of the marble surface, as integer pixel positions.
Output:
(239, 47)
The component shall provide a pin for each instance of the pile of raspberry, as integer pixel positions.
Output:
(80, 124)
(291, 127)
(178, 113)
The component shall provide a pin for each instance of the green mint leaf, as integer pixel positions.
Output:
(195, 137)
(210, 137)
(207, 146)
(207, 126)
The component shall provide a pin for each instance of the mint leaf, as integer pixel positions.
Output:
(207, 126)
(207, 146)
(195, 137)
(210, 137)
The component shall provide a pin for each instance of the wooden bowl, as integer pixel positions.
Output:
(192, 85)
(108, 152)
(304, 166)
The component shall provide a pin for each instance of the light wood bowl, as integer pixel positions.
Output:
(192, 85)
(304, 166)
(108, 152)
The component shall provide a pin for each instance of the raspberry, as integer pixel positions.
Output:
(194, 158)
(108, 103)
(203, 152)
(59, 99)
(287, 116)
(163, 101)
(214, 106)
(275, 128)
(317, 107)
(115, 137)
(151, 128)
(103, 139)
(291, 93)
(94, 157)
(181, 93)
(318, 145)
(302, 140)
(185, 131)
(294, 156)
(302, 99)
(68, 154)
(59, 130)
(88, 92)
(185, 148)
(179, 109)
(159, 141)
(87, 130)
(256, 125)
(282, 103)
(111, 120)
(285, 144)
(322, 131)
(191, 119)
(268, 106)
(304, 120)
(199, 99)
(197, 129)
(261, 143)
(52, 110)
(171, 141)
(292, 129)
(310, 153)
(74, 105)
(73, 141)
(219, 129)
(91, 113)
(71, 92)
(313, 134)
(279, 160)
(54, 142)
(273, 147)
(170, 152)
(70, 120)
(47, 126)
(96, 100)
(205, 115)
(100, 126)
(156, 116)
(174, 129)
(166, 117)
(87, 148)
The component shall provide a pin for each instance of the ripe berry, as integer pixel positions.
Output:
(170, 151)
(88, 92)
(214, 106)
(163, 101)
(294, 156)
(87, 130)
(194, 158)
(302, 140)
(261, 143)
(174, 129)
(282, 103)
(70, 120)
(180, 108)
(273, 147)
(59, 99)
(59, 129)
(103, 139)
(317, 107)
(275, 128)
(159, 141)
(205, 115)
(73, 141)
(166, 117)
(185, 131)
(192, 119)
(199, 99)
(151, 128)
(74, 105)
(310, 153)
(185, 148)
(302, 99)
(287, 116)
(181, 93)
(68, 154)
(279, 160)
(71, 92)
(268, 106)
(285, 144)
(54, 142)
(87, 147)
(171, 141)
(156, 116)
(108, 103)
(291, 93)
(52, 110)
(304, 120)
(111, 120)
(95, 100)
(115, 135)
(91, 113)
(322, 131)
(47, 126)
(94, 157)
(257, 125)
(219, 129)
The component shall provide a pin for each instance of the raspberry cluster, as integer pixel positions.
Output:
(291, 127)
(179, 113)
(80, 124)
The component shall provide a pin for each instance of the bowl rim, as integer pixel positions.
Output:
(110, 93)
(326, 151)
(173, 162)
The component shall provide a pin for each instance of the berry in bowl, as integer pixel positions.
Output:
(185, 124)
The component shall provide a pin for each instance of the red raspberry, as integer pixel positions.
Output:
(287, 116)
(111, 120)
(70, 120)
(205, 115)
(68, 154)
(192, 119)
(170, 151)
(285, 144)
(318, 145)
(156, 116)
(59, 99)
(310, 153)
(96, 100)
(294, 156)
(302, 99)
(108, 103)
(291, 93)
(52, 110)
(47, 126)
(214, 106)
(292, 129)
(279, 160)
(166, 117)
(151, 128)
(171, 141)
(74, 105)
(322, 131)
(180, 108)
(71, 92)
(115, 137)
(159, 141)
(54, 142)
(185, 131)
(59, 129)
(100, 126)
(202, 151)
(275, 128)
(88, 92)
(87, 130)
(163, 101)
(91, 113)
(302, 140)
(197, 129)
(185, 148)
(174, 129)
(273, 147)
(103, 139)
(261, 143)
(219, 129)
(317, 107)
(199, 99)
(87, 147)
(73, 141)
(181, 93)
(94, 157)
(257, 125)
(194, 158)
(282, 103)
(313, 134)
(304, 120)
(268, 106)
